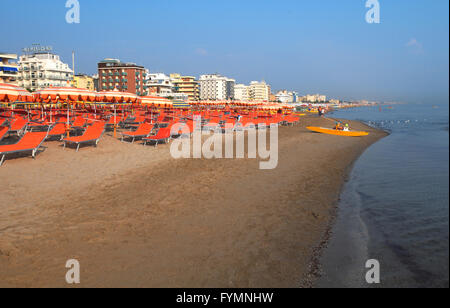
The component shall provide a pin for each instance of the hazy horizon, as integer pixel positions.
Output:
(307, 46)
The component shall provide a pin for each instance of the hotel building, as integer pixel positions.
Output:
(158, 84)
(84, 82)
(42, 70)
(241, 92)
(125, 77)
(9, 70)
(259, 91)
(216, 87)
(187, 85)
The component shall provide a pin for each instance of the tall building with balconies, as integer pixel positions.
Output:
(42, 70)
(216, 87)
(241, 92)
(159, 84)
(125, 77)
(187, 85)
(9, 70)
(259, 91)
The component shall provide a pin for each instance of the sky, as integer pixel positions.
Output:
(310, 46)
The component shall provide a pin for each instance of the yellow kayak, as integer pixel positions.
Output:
(331, 131)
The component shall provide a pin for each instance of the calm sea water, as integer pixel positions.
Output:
(395, 206)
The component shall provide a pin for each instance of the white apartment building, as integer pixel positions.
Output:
(285, 97)
(42, 70)
(216, 87)
(8, 68)
(315, 98)
(241, 92)
(259, 91)
(159, 84)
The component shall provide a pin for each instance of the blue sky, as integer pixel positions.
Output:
(309, 46)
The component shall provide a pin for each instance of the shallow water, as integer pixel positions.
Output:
(395, 207)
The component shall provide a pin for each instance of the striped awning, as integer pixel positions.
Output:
(181, 105)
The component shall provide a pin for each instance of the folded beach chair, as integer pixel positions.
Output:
(92, 134)
(57, 131)
(143, 130)
(3, 131)
(30, 142)
(163, 135)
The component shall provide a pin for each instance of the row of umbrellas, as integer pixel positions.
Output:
(12, 93)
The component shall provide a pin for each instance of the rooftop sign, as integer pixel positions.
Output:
(36, 48)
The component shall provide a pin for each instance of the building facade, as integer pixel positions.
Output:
(42, 70)
(159, 84)
(241, 92)
(125, 77)
(315, 98)
(216, 87)
(82, 81)
(186, 85)
(259, 91)
(9, 70)
(284, 97)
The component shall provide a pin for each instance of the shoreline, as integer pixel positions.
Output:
(316, 266)
(135, 217)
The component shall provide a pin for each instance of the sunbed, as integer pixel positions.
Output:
(143, 130)
(92, 134)
(3, 131)
(18, 126)
(57, 131)
(163, 135)
(79, 123)
(30, 142)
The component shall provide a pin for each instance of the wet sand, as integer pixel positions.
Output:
(135, 217)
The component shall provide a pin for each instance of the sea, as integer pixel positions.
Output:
(394, 207)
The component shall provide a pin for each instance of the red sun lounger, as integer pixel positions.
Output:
(30, 142)
(79, 123)
(143, 130)
(163, 135)
(18, 126)
(57, 131)
(92, 134)
(3, 131)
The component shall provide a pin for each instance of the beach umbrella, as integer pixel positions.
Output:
(12, 93)
(55, 94)
(155, 100)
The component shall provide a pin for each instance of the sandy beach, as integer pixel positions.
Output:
(135, 217)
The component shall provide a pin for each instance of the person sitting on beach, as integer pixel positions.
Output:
(338, 126)
(346, 128)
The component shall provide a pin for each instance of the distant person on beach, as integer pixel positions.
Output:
(321, 111)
